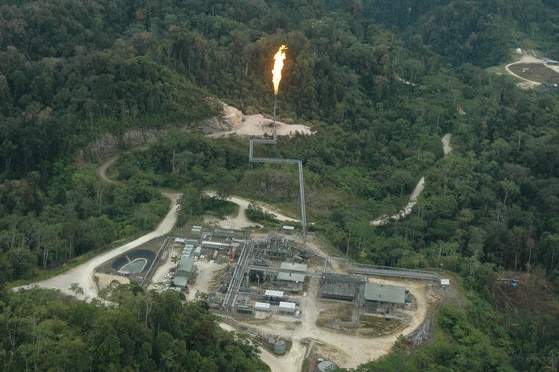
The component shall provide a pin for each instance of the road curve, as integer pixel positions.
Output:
(527, 83)
(241, 221)
(83, 275)
(383, 220)
(102, 171)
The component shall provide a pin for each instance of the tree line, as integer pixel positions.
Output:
(380, 85)
(140, 331)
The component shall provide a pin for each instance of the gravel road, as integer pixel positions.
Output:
(82, 275)
(383, 220)
(349, 351)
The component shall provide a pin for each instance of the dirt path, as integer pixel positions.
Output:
(347, 351)
(84, 275)
(383, 220)
(447, 149)
(102, 171)
(526, 58)
(241, 221)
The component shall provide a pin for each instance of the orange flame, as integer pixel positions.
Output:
(278, 66)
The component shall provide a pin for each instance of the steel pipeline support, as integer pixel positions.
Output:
(299, 163)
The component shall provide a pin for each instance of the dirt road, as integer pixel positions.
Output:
(347, 351)
(526, 58)
(447, 149)
(383, 220)
(241, 221)
(83, 275)
(102, 171)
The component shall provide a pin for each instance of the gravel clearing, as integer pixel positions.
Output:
(345, 350)
(83, 275)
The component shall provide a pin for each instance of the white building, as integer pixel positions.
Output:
(287, 307)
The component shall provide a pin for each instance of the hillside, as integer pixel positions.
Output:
(378, 85)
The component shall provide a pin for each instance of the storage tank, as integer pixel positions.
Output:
(280, 347)
(326, 366)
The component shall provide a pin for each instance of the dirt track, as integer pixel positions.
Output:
(383, 220)
(83, 275)
(241, 221)
(346, 351)
(527, 58)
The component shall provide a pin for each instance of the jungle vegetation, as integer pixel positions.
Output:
(380, 83)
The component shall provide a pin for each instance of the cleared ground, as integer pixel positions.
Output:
(536, 72)
(317, 326)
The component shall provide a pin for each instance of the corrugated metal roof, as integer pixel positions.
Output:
(270, 292)
(385, 293)
(180, 281)
(262, 306)
(287, 305)
(294, 267)
(186, 265)
(291, 277)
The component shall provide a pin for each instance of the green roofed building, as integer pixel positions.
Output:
(185, 274)
(288, 266)
(291, 277)
(383, 296)
(292, 282)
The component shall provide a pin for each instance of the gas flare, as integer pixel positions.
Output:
(278, 66)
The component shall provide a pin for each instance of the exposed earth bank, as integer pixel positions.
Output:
(346, 350)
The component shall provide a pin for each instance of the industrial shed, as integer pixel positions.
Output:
(215, 245)
(382, 297)
(196, 231)
(341, 287)
(287, 307)
(185, 274)
(291, 277)
(261, 306)
(296, 267)
(339, 291)
(178, 242)
(291, 281)
(273, 296)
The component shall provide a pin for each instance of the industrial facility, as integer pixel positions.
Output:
(270, 275)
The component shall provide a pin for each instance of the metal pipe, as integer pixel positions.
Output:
(275, 107)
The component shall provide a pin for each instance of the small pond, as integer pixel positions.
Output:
(133, 267)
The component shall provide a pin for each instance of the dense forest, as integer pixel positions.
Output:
(380, 83)
(138, 332)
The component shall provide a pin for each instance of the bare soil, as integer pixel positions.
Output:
(532, 71)
(258, 125)
(347, 348)
(537, 72)
(532, 293)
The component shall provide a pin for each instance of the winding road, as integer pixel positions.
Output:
(527, 58)
(525, 82)
(83, 275)
(355, 351)
(383, 220)
(241, 221)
